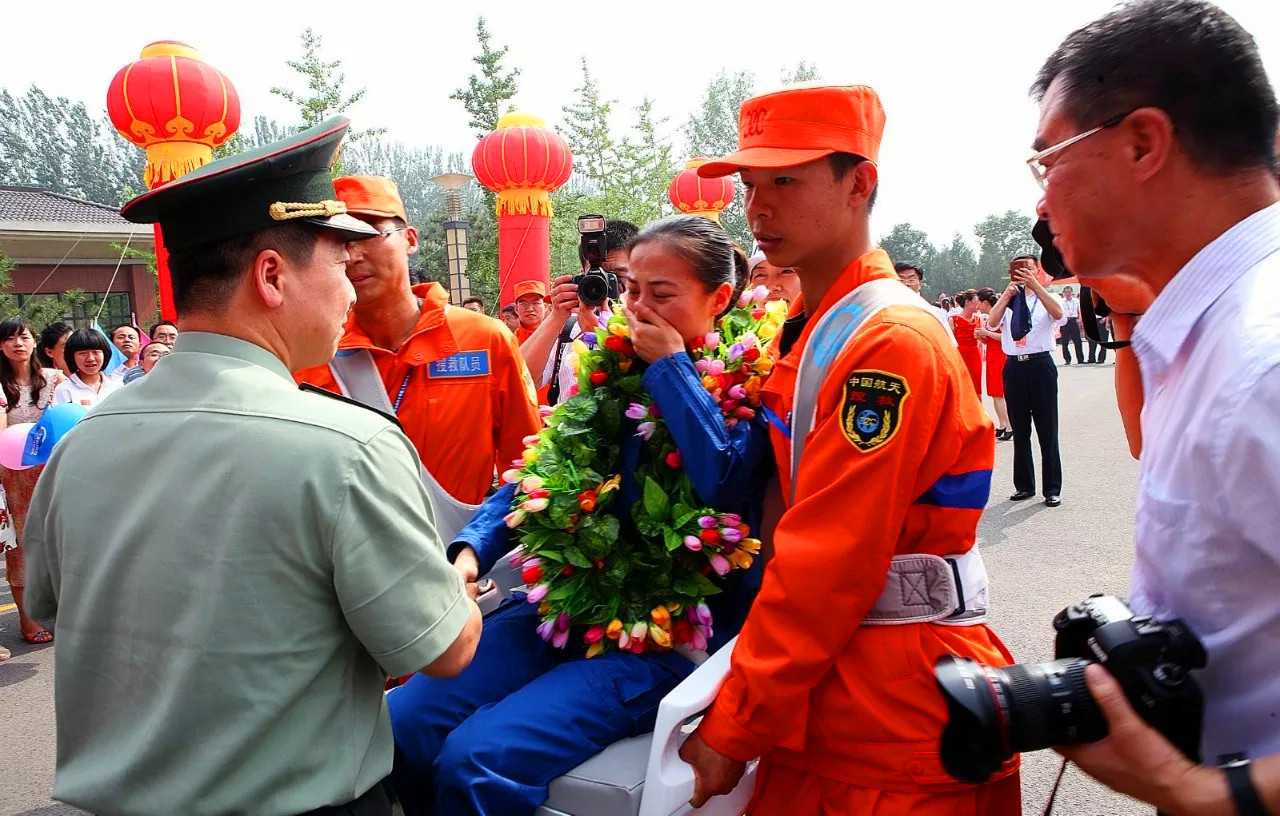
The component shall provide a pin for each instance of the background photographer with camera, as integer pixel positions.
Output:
(547, 349)
(1157, 155)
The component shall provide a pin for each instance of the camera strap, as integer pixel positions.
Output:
(566, 337)
(1053, 794)
(1089, 322)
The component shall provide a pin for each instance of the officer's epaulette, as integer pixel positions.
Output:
(312, 389)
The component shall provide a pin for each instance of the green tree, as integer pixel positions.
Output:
(483, 98)
(586, 128)
(55, 144)
(645, 170)
(906, 244)
(803, 72)
(325, 95)
(1000, 239)
(713, 131)
(954, 269)
(488, 91)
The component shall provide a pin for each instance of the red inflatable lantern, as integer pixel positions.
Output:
(178, 108)
(522, 161)
(693, 195)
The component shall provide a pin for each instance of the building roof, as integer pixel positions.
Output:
(32, 204)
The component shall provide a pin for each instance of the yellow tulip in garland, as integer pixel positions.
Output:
(639, 587)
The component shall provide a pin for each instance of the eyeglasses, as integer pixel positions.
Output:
(527, 304)
(1041, 173)
(375, 236)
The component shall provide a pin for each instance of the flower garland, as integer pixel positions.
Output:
(642, 588)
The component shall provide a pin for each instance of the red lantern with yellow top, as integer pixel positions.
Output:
(523, 161)
(178, 108)
(693, 195)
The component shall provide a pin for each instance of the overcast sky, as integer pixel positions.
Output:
(953, 75)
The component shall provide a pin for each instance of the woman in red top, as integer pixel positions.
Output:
(963, 325)
(990, 335)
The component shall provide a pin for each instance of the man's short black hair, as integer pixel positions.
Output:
(206, 276)
(1188, 58)
(617, 235)
(842, 163)
(152, 331)
(119, 326)
(1028, 257)
(903, 266)
(510, 307)
(473, 299)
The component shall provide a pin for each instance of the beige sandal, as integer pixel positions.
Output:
(5, 654)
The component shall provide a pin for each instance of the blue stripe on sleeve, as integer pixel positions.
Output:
(961, 491)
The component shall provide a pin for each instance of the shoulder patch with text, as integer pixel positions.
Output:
(871, 410)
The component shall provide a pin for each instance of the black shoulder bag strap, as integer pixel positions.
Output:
(566, 336)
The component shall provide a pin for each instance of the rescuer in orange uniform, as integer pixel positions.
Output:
(846, 715)
(454, 377)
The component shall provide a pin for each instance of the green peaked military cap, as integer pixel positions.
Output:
(280, 183)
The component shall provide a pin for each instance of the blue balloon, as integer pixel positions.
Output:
(54, 424)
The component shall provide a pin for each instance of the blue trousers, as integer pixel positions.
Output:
(490, 740)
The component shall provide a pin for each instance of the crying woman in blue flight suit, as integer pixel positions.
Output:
(490, 740)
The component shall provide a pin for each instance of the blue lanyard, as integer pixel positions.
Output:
(404, 386)
(776, 421)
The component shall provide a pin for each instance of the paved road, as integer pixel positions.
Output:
(1040, 559)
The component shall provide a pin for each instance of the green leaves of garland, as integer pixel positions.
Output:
(637, 587)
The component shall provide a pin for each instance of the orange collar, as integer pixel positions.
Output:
(871, 266)
(431, 338)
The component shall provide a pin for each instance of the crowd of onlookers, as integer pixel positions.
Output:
(59, 364)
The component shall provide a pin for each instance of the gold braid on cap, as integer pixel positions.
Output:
(289, 210)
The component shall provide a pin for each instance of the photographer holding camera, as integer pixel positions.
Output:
(603, 253)
(1157, 156)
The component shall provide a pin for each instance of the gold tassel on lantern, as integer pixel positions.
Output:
(167, 161)
(524, 201)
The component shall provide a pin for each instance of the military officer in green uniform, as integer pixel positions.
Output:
(224, 634)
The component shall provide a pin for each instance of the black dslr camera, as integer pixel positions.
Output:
(994, 713)
(595, 286)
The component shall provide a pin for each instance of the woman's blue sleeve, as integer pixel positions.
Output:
(720, 462)
(487, 533)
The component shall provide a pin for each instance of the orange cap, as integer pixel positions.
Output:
(531, 287)
(370, 195)
(802, 124)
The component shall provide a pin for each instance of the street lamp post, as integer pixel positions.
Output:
(455, 235)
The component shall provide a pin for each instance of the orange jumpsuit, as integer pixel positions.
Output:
(468, 401)
(848, 718)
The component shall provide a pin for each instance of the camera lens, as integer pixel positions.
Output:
(994, 713)
(593, 289)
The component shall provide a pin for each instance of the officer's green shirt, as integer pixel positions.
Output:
(232, 565)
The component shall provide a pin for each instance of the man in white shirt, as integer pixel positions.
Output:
(1071, 328)
(1157, 154)
(1027, 314)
